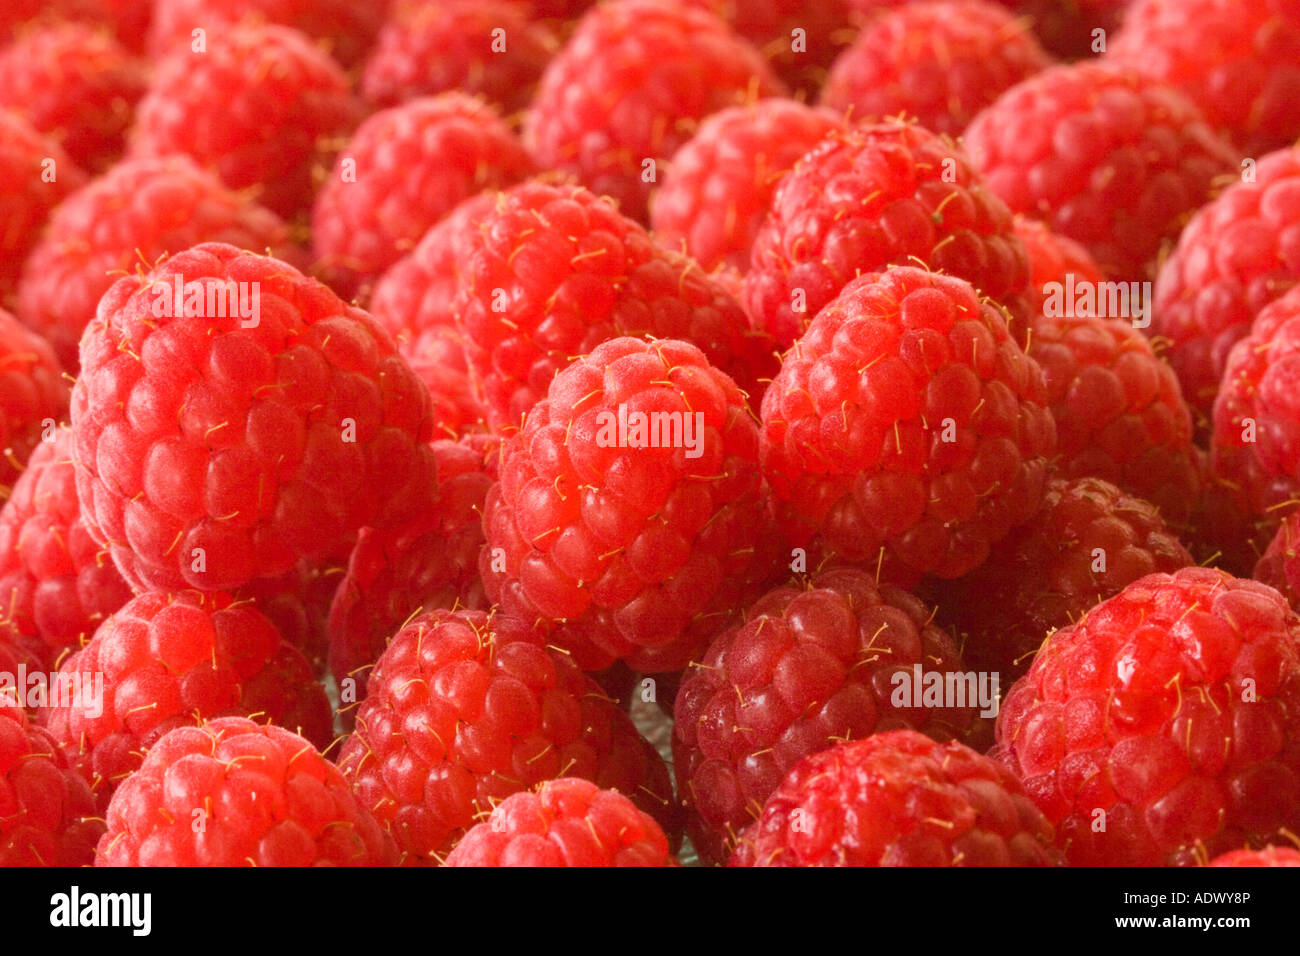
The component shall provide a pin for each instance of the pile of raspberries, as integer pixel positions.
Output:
(649, 433)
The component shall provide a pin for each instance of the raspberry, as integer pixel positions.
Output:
(1278, 567)
(466, 708)
(76, 83)
(1101, 155)
(1268, 856)
(35, 175)
(33, 397)
(258, 106)
(18, 16)
(164, 661)
(1068, 29)
(56, 583)
(553, 271)
(425, 49)
(906, 427)
(405, 169)
(627, 537)
(939, 62)
(897, 799)
(566, 822)
(298, 604)
(230, 792)
(1088, 541)
(813, 663)
(1053, 257)
(628, 89)
(344, 28)
(1239, 63)
(873, 197)
(770, 26)
(718, 186)
(1164, 713)
(213, 449)
(48, 812)
(136, 213)
(1236, 255)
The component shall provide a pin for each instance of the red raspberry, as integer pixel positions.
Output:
(718, 186)
(344, 28)
(1067, 29)
(1052, 257)
(230, 792)
(136, 213)
(47, 816)
(1278, 567)
(1240, 63)
(165, 660)
(466, 708)
(1155, 730)
(76, 83)
(906, 427)
(404, 170)
(1103, 156)
(629, 88)
(33, 397)
(298, 604)
(770, 25)
(35, 175)
(873, 197)
(56, 583)
(1088, 541)
(258, 106)
(1268, 856)
(216, 449)
(813, 663)
(566, 822)
(898, 799)
(553, 271)
(1236, 255)
(425, 49)
(627, 538)
(939, 62)
(18, 16)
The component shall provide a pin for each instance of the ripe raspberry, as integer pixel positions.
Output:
(213, 449)
(1237, 254)
(898, 799)
(1240, 63)
(566, 822)
(552, 272)
(1102, 156)
(425, 49)
(628, 539)
(1268, 856)
(718, 186)
(466, 708)
(298, 604)
(166, 660)
(404, 170)
(939, 62)
(47, 817)
(35, 175)
(629, 89)
(33, 397)
(770, 26)
(906, 427)
(56, 583)
(813, 663)
(873, 197)
(258, 106)
(230, 792)
(136, 213)
(1067, 29)
(1278, 567)
(1167, 710)
(1052, 257)
(1088, 541)
(76, 83)
(18, 16)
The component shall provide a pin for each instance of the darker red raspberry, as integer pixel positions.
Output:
(129, 218)
(1278, 567)
(259, 106)
(1103, 156)
(1268, 856)
(33, 397)
(629, 505)
(215, 448)
(802, 59)
(466, 708)
(230, 792)
(298, 604)
(1167, 714)
(939, 63)
(873, 197)
(718, 186)
(898, 799)
(906, 428)
(814, 662)
(1068, 29)
(566, 822)
(1052, 257)
(628, 89)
